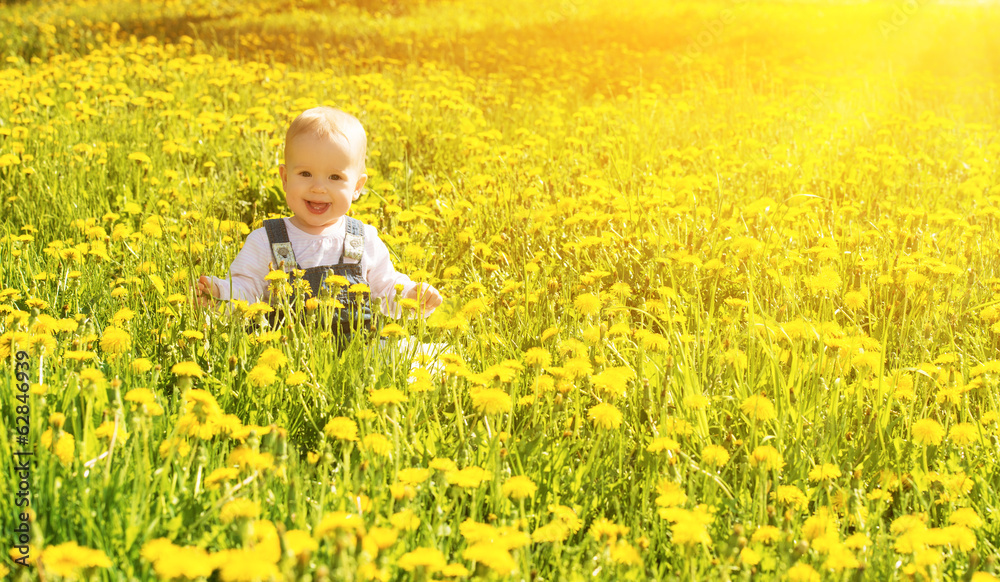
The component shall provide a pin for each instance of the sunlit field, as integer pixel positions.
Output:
(721, 284)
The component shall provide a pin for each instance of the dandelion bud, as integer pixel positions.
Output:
(801, 548)
(738, 530)
(741, 542)
(232, 363)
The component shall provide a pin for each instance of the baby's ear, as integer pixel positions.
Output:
(283, 172)
(359, 186)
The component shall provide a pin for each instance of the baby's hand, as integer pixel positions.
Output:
(208, 291)
(428, 297)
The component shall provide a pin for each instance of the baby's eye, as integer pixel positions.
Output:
(334, 176)
(304, 174)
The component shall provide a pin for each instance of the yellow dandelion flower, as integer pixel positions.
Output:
(115, 340)
(393, 330)
(341, 428)
(824, 472)
(262, 375)
(519, 487)
(670, 494)
(661, 444)
(109, 429)
(623, 553)
(377, 444)
(556, 531)
(791, 496)
(766, 534)
(57, 419)
(69, 559)
(858, 541)
(714, 455)
(966, 516)
(927, 431)
(336, 281)
(455, 571)
(296, 379)
(141, 365)
(405, 520)
(92, 377)
(444, 465)
(767, 457)
(494, 555)
(300, 543)
(382, 537)
(220, 475)
(759, 408)
(413, 476)
(272, 358)
(749, 557)
(491, 401)
(245, 566)
(429, 559)
(605, 416)
(187, 369)
(587, 304)
(239, 509)
(176, 446)
(802, 572)
(336, 521)
(538, 357)
(963, 433)
(387, 396)
(689, 527)
(468, 478)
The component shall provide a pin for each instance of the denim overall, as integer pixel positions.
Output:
(356, 314)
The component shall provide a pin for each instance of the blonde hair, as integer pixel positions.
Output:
(324, 121)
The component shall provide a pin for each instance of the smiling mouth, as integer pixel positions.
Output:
(317, 207)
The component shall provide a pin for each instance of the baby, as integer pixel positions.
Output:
(324, 171)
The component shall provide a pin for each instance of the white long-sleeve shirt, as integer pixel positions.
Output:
(247, 273)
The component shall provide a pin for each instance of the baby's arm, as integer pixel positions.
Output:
(382, 279)
(246, 274)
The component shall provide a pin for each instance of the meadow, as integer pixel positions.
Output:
(721, 287)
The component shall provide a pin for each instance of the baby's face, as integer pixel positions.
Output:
(321, 178)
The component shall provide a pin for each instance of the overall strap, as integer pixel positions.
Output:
(281, 247)
(354, 241)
